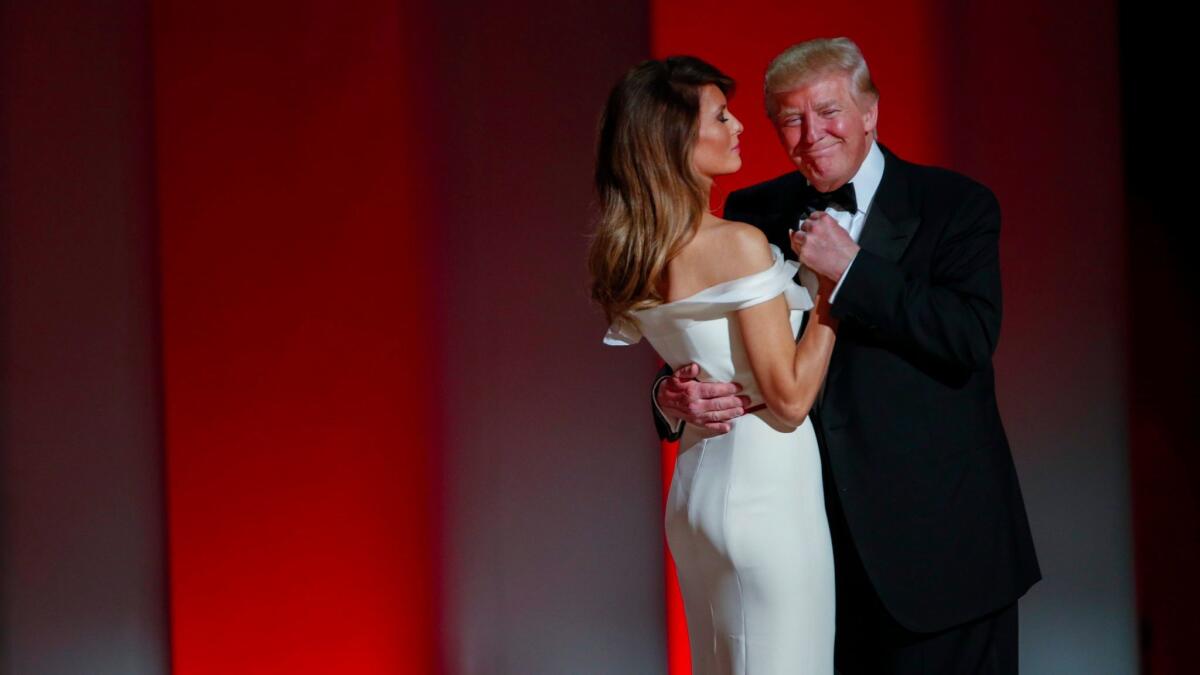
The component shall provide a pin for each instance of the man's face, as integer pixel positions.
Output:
(824, 130)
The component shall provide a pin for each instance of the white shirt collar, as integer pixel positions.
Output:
(866, 181)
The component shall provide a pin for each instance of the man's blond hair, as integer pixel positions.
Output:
(802, 62)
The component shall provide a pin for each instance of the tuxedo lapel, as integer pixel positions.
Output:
(892, 220)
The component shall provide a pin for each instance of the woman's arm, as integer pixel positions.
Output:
(789, 373)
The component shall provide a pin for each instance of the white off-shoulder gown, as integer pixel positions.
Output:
(745, 517)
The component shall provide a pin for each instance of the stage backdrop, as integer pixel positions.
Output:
(299, 338)
(82, 584)
(325, 261)
(553, 521)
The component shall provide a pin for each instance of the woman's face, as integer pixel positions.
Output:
(716, 152)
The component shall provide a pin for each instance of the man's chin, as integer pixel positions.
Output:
(821, 183)
(813, 173)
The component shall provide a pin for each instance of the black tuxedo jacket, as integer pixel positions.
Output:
(914, 450)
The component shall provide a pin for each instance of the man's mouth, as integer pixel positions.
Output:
(816, 152)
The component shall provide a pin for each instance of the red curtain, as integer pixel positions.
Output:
(297, 339)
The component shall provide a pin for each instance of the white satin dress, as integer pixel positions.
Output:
(745, 516)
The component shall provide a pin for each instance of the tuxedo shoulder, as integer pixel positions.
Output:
(943, 181)
(942, 195)
(769, 192)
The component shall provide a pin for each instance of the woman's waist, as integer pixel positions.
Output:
(721, 373)
(757, 419)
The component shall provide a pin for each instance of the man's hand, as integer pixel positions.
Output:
(823, 246)
(707, 404)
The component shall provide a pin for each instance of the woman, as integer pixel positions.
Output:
(745, 517)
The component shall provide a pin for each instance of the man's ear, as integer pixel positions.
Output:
(871, 116)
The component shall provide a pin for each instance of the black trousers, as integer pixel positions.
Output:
(870, 642)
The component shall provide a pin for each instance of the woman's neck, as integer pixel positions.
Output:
(709, 217)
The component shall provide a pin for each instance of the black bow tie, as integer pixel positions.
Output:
(842, 198)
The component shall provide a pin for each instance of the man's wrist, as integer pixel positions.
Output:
(842, 278)
(673, 423)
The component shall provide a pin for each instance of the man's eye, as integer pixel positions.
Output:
(722, 118)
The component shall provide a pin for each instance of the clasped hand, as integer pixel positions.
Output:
(823, 246)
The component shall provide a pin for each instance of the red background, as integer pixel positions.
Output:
(300, 454)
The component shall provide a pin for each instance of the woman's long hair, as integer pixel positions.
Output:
(651, 200)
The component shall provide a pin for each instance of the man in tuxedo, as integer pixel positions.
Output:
(931, 540)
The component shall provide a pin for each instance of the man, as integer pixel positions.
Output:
(931, 541)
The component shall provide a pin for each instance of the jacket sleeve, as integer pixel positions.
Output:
(661, 425)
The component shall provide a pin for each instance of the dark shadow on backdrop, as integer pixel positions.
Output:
(1157, 45)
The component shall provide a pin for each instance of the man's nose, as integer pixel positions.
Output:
(813, 131)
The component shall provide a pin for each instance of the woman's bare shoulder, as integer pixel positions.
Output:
(721, 251)
(736, 250)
